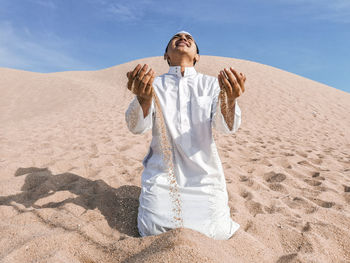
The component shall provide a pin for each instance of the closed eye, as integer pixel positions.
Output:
(187, 37)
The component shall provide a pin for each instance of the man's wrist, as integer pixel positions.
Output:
(144, 101)
(231, 102)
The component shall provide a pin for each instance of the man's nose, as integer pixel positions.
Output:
(183, 37)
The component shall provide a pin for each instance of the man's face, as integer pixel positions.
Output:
(182, 44)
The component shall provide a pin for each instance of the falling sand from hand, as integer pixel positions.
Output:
(168, 157)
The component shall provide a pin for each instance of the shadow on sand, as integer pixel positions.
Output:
(119, 206)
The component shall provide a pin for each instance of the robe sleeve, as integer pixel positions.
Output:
(136, 123)
(218, 121)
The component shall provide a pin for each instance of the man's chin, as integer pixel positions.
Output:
(182, 50)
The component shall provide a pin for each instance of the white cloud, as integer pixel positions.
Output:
(120, 9)
(127, 11)
(335, 11)
(220, 12)
(45, 3)
(181, 11)
(21, 49)
(124, 12)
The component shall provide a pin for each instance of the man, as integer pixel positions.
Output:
(183, 184)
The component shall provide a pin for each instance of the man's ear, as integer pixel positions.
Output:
(197, 57)
(166, 57)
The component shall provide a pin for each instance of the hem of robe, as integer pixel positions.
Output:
(219, 226)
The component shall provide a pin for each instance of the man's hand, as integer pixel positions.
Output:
(140, 83)
(232, 86)
(232, 83)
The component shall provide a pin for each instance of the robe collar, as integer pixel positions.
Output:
(176, 70)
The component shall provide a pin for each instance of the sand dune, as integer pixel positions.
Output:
(70, 170)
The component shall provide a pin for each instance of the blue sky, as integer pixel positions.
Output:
(310, 38)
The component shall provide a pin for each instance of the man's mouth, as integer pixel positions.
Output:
(182, 43)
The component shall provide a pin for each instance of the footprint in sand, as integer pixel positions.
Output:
(247, 180)
(316, 175)
(347, 197)
(315, 161)
(228, 180)
(278, 188)
(284, 162)
(233, 210)
(320, 155)
(270, 209)
(278, 139)
(251, 170)
(273, 177)
(347, 193)
(316, 180)
(254, 208)
(246, 194)
(271, 142)
(306, 227)
(303, 162)
(288, 154)
(300, 203)
(288, 258)
(105, 139)
(302, 154)
(299, 225)
(243, 178)
(124, 148)
(312, 182)
(293, 241)
(278, 208)
(249, 225)
(265, 161)
(322, 203)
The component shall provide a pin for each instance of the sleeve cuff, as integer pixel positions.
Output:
(220, 123)
(134, 117)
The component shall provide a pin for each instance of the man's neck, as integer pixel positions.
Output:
(183, 64)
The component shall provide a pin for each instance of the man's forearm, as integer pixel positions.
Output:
(145, 105)
(228, 111)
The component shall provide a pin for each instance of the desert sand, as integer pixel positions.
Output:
(70, 170)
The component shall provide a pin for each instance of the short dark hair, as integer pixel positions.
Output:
(166, 50)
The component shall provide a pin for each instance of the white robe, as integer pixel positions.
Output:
(191, 108)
